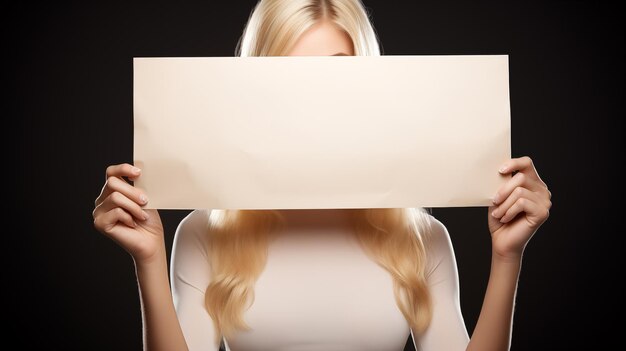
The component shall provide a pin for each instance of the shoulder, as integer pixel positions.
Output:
(438, 243)
(196, 219)
(192, 230)
(436, 234)
(189, 259)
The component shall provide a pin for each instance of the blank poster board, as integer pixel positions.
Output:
(321, 132)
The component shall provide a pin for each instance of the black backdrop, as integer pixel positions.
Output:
(70, 82)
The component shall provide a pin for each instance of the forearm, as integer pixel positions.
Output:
(493, 330)
(161, 329)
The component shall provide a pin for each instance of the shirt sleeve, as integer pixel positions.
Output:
(447, 328)
(190, 276)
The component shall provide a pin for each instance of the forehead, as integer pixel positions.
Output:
(323, 39)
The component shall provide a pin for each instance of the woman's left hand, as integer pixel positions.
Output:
(521, 205)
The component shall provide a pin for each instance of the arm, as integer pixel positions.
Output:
(190, 276)
(177, 319)
(494, 326)
(161, 330)
(521, 205)
(119, 216)
(447, 328)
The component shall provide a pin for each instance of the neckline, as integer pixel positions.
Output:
(318, 218)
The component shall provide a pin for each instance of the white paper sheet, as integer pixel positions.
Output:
(321, 132)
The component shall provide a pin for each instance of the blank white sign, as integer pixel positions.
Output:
(321, 132)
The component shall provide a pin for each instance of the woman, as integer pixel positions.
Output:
(359, 279)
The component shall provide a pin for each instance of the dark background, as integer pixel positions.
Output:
(70, 91)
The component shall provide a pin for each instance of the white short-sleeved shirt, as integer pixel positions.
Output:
(318, 291)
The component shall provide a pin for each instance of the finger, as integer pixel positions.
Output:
(522, 164)
(518, 180)
(517, 193)
(535, 213)
(117, 199)
(106, 222)
(117, 184)
(118, 225)
(122, 170)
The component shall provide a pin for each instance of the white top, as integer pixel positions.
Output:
(318, 291)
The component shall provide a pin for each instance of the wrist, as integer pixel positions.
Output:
(507, 258)
(154, 262)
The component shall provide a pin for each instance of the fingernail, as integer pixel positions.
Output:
(145, 216)
(496, 198)
(493, 213)
(502, 169)
(143, 198)
(134, 224)
(136, 170)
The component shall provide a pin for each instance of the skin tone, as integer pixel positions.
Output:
(519, 208)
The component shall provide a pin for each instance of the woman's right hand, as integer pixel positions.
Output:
(118, 215)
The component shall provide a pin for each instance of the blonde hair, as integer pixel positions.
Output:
(275, 25)
(239, 239)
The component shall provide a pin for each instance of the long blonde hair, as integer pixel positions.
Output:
(239, 239)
